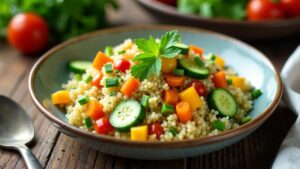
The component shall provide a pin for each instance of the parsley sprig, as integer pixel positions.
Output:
(149, 60)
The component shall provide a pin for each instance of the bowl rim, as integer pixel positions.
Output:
(253, 124)
(170, 10)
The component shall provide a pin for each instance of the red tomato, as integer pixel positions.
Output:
(102, 126)
(28, 32)
(169, 2)
(291, 7)
(264, 10)
(122, 65)
(97, 79)
(199, 87)
(155, 128)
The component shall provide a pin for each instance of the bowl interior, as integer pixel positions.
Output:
(248, 62)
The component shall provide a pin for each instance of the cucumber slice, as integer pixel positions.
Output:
(183, 47)
(192, 69)
(79, 66)
(223, 101)
(127, 114)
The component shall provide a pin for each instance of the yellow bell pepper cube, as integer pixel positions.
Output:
(191, 96)
(239, 82)
(168, 65)
(61, 97)
(220, 62)
(139, 133)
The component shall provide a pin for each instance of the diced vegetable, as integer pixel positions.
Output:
(102, 126)
(174, 81)
(145, 101)
(219, 125)
(173, 130)
(83, 100)
(199, 87)
(131, 85)
(256, 93)
(191, 96)
(192, 69)
(197, 50)
(121, 52)
(61, 97)
(219, 80)
(97, 79)
(183, 48)
(223, 101)
(212, 57)
(155, 128)
(108, 68)
(111, 82)
(246, 119)
(167, 109)
(199, 61)
(100, 60)
(139, 133)
(127, 114)
(184, 111)
(128, 56)
(122, 65)
(229, 82)
(168, 65)
(239, 82)
(87, 122)
(109, 50)
(79, 66)
(171, 97)
(178, 72)
(95, 110)
(88, 79)
(220, 62)
(78, 77)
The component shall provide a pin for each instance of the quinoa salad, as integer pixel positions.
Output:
(151, 89)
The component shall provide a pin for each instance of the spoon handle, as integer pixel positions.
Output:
(29, 158)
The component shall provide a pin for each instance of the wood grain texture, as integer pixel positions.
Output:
(58, 151)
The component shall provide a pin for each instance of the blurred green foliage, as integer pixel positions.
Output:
(232, 9)
(66, 18)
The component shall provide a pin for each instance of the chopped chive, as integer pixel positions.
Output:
(83, 100)
(199, 61)
(108, 68)
(88, 79)
(87, 122)
(246, 119)
(178, 72)
(145, 101)
(113, 93)
(229, 81)
(167, 109)
(121, 52)
(219, 125)
(173, 130)
(109, 50)
(256, 93)
(78, 77)
(111, 82)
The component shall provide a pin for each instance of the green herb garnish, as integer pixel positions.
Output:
(149, 60)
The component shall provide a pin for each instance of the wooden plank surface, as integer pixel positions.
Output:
(58, 151)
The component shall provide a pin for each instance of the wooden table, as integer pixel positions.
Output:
(56, 150)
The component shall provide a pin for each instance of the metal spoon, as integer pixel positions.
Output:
(16, 130)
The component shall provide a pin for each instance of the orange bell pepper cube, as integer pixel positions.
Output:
(184, 111)
(130, 86)
(171, 97)
(219, 80)
(174, 81)
(197, 50)
(97, 79)
(95, 110)
(100, 59)
(61, 97)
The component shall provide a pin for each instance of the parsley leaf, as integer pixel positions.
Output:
(149, 61)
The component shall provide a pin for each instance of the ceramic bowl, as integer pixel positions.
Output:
(241, 29)
(50, 71)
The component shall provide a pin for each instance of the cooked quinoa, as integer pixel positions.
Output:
(155, 86)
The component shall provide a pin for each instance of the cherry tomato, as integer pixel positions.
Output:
(291, 7)
(97, 79)
(102, 126)
(264, 10)
(169, 2)
(199, 87)
(122, 65)
(155, 128)
(28, 32)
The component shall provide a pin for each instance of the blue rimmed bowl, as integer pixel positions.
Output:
(50, 71)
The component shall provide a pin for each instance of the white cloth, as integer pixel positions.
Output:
(288, 156)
